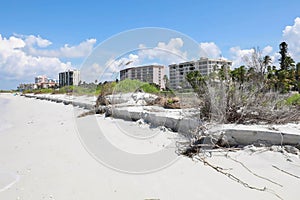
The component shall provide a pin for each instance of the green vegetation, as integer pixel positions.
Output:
(105, 88)
(254, 93)
(293, 100)
(43, 91)
(128, 85)
(7, 91)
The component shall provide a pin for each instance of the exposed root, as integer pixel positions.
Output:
(259, 176)
(233, 177)
(229, 175)
(286, 172)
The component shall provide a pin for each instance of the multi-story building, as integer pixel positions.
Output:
(70, 77)
(41, 79)
(149, 73)
(178, 72)
(44, 82)
(40, 82)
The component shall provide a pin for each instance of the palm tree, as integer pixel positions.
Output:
(267, 61)
(289, 63)
(238, 74)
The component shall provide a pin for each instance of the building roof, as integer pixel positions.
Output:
(138, 67)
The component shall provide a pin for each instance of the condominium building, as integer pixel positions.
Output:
(149, 73)
(178, 72)
(70, 77)
(40, 79)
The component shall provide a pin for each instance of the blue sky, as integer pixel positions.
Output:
(82, 25)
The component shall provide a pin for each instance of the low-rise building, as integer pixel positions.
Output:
(178, 72)
(44, 82)
(149, 73)
(27, 86)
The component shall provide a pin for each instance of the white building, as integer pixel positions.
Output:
(149, 73)
(178, 72)
(70, 77)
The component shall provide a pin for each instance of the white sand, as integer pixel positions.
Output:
(42, 157)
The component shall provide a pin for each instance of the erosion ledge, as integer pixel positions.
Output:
(184, 121)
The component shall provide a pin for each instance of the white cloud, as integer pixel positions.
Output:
(78, 51)
(267, 50)
(210, 49)
(291, 35)
(17, 64)
(164, 53)
(32, 40)
(117, 65)
(238, 55)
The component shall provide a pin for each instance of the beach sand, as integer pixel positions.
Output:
(42, 156)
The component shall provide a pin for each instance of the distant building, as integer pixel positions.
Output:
(27, 86)
(52, 83)
(40, 82)
(70, 77)
(149, 73)
(178, 72)
(44, 82)
(41, 79)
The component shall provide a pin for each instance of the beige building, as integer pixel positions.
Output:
(149, 73)
(40, 79)
(178, 72)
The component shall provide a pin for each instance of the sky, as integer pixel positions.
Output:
(46, 37)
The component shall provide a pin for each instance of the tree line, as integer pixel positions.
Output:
(258, 69)
(254, 92)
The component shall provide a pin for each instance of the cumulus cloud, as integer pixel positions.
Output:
(238, 55)
(67, 51)
(32, 40)
(267, 50)
(210, 49)
(17, 64)
(113, 65)
(291, 35)
(165, 53)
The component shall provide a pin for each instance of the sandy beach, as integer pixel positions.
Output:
(42, 156)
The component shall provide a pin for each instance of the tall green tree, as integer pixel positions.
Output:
(298, 76)
(267, 61)
(289, 63)
(239, 74)
(286, 74)
(224, 72)
(197, 81)
(199, 84)
(283, 48)
(286, 61)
